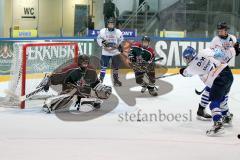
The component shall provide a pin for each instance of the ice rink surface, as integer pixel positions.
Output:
(31, 134)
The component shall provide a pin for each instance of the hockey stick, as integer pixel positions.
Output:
(148, 65)
(199, 92)
(164, 76)
(25, 97)
(158, 59)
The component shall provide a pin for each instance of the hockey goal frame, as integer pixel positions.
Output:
(24, 61)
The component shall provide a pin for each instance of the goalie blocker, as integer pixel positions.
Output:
(77, 81)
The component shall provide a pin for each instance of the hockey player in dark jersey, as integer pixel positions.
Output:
(141, 59)
(76, 80)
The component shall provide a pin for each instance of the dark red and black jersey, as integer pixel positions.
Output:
(138, 50)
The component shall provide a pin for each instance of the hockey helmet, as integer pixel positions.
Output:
(111, 21)
(145, 41)
(222, 25)
(83, 61)
(189, 54)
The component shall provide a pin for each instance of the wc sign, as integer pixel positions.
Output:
(29, 13)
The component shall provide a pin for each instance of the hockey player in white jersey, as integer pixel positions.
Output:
(217, 77)
(228, 44)
(110, 40)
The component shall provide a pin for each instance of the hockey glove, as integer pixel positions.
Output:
(102, 91)
(45, 83)
(132, 58)
(181, 71)
(105, 43)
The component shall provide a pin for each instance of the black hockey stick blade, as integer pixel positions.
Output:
(158, 59)
(199, 92)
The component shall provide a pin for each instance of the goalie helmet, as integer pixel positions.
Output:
(83, 61)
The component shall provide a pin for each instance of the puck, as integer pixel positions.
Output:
(238, 136)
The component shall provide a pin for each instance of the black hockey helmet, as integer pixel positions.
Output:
(146, 38)
(222, 25)
(111, 20)
(83, 61)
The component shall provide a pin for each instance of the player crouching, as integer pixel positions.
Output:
(77, 81)
(217, 77)
(141, 59)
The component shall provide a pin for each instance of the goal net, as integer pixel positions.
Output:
(30, 63)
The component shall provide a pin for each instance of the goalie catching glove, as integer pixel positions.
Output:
(102, 91)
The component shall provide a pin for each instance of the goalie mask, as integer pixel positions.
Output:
(83, 61)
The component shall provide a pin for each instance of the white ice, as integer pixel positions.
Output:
(33, 135)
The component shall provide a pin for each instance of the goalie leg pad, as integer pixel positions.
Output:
(89, 104)
(58, 102)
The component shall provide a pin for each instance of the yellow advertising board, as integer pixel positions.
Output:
(172, 34)
(25, 33)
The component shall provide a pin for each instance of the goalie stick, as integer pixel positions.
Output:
(25, 97)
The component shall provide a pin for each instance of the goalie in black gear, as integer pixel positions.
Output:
(77, 81)
(141, 58)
